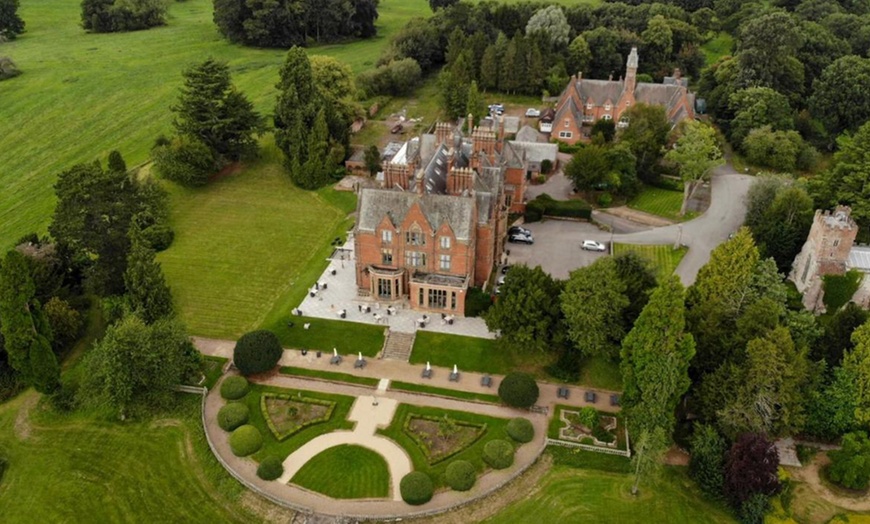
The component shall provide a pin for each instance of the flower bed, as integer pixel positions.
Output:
(287, 415)
(442, 437)
(603, 435)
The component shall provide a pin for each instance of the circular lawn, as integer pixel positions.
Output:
(346, 472)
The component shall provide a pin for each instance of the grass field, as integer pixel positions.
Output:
(664, 259)
(478, 355)
(82, 467)
(662, 202)
(600, 373)
(323, 334)
(346, 472)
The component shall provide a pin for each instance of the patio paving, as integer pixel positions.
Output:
(340, 294)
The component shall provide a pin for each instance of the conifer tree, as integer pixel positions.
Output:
(147, 292)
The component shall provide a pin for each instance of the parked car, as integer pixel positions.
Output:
(517, 230)
(505, 269)
(591, 245)
(532, 113)
(497, 109)
(520, 238)
(501, 279)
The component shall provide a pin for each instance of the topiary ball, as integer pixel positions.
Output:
(270, 468)
(245, 440)
(460, 475)
(257, 352)
(416, 488)
(499, 454)
(234, 388)
(521, 430)
(518, 390)
(232, 416)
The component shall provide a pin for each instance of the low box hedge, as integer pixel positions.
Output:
(232, 415)
(545, 205)
(425, 447)
(284, 436)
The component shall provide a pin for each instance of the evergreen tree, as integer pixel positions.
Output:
(11, 25)
(116, 162)
(489, 66)
(475, 104)
(147, 292)
(316, 168)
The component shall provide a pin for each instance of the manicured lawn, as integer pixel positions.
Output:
(88, 467)
(243, 243)
(717, 47)
(271, 445)
(443, 392)
(579, 458)
(600, 373)
(495, 429)
(346, 472)
(662, 202)
(212, 369)
(478, 355)
(664, 259)
(348, 337)
(580, 495)
(328, 375)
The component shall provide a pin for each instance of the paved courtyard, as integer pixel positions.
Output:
(340, 295)
(557, 246)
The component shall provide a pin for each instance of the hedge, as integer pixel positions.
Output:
(283, 436)
(416, 488)
(257, 352)
(234, 388)
(518, 390)
(232, 415)
(246, 440)
(270, 468)
(521, 430)
(544, 204)
(425, 447)
(499, 454)
(460, 475)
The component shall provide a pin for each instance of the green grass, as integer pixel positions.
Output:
(579, 458)
(601, 373)
(323, 334)
(271, 445)
(85, 467)
(664, 259)
(840, 288)
(478, 355)
(212, 369)
(245, 242)
(346, 472)
(662, 202)
(82, 95)
(568, 494)
(443, 392)
(329, 375)
(495, 429)
(717, 47)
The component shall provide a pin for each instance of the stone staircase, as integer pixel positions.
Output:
(398, 345)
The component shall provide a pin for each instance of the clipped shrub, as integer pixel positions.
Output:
(518, 390)
(605, 199)
(8, 69)
(416, 488)
(546, 166)
(246, 440)
(460, 475)
(187, 162)
(521, 430)
(270, 468)
(232, 416)
(234, 388)
(499, 454)
(588, 417)
(257, 351)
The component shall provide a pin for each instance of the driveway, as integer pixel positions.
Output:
(557, 246)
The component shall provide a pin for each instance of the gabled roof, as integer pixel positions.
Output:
(529, 134)
(457, 212)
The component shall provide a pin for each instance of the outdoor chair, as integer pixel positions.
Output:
(590, 397)
(486, 381)
(427, 373)
(454, 377)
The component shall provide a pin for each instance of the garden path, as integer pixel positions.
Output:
(810, 474)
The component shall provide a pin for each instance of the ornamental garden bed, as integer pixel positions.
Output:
(286, 415)
(442, 437)
(568, 424)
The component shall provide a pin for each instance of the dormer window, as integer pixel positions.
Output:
(567, 122)
(589, 106)
(445, 242)
(415, 237)
(387, 236)
(607, 107)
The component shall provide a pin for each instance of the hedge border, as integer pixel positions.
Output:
(407, 430)
(278, 396)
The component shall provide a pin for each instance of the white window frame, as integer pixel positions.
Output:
(387, 236)
(607, 107)
(607, 117)
(445, 242)
(566, 134)
(444, 262)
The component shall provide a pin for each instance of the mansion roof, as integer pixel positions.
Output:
(457, 212)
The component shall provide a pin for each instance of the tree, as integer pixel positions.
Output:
(777, 150)
(372, 159)
(116, 162)
(639, 277)
(646, 135)
(658, 42)
(65, 322)
(838, 330)
(838, 95)
(766, 47)
(589, 169)
(518, 390)
(821, 47)
(550, 21)
(527, 313)
(475, 105)
(750, 469)
(26, 333)
(579, 56)
(649, 450)
(211, 111)
(779, 215)
(846, 181)
(489, 68)
(696, 153)
(136, 365)
(11, 25)
(855, 374)
(593, 304)
(257, 352)
(655, 360)
(604, 47)
(756, 107)
(441, 4)
(707, 460)
(605, 128)
(147, 292)
(186, 161)
(106, 16)
(850, 465)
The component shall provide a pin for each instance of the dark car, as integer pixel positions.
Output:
(517, 230)
(520, 238)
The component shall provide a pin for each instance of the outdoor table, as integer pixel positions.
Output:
(335, 360)
(454, 377)
(427, 373)
(590, 396)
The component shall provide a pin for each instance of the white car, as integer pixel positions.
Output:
(532, 113)
(500, 280)
(520, 238)
(591, 245)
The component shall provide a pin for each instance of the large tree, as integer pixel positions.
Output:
(750, 469)
(696, 153)
(755, 107)
(551, 23)
(847, 181)
(11, 25)
(655, 360)
(766, 47)
(646, 136)
(147, 292)
(839, 97)
(779, 214)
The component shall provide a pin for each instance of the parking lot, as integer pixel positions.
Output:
(557, 246)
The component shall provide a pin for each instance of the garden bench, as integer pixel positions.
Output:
(335, 360)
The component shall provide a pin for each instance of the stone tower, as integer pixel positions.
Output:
(824, 253)
(631, 71)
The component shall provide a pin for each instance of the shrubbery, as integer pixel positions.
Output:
(257, 352)
(544, 204)
(521, 430)
(416, 488)
(187, 162)
(460, 475)
(8, 69)
(850, 466)
(270, 468)
(477, 302)
(499, 454)
(246, 440)
(234, 388)
(109, 16)
(232, 416)
(397, 78)
(518, 390)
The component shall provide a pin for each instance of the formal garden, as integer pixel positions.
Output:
(588, 426)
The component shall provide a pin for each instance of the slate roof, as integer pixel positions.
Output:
(529, 134)
(457, 212)
(536, 152)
